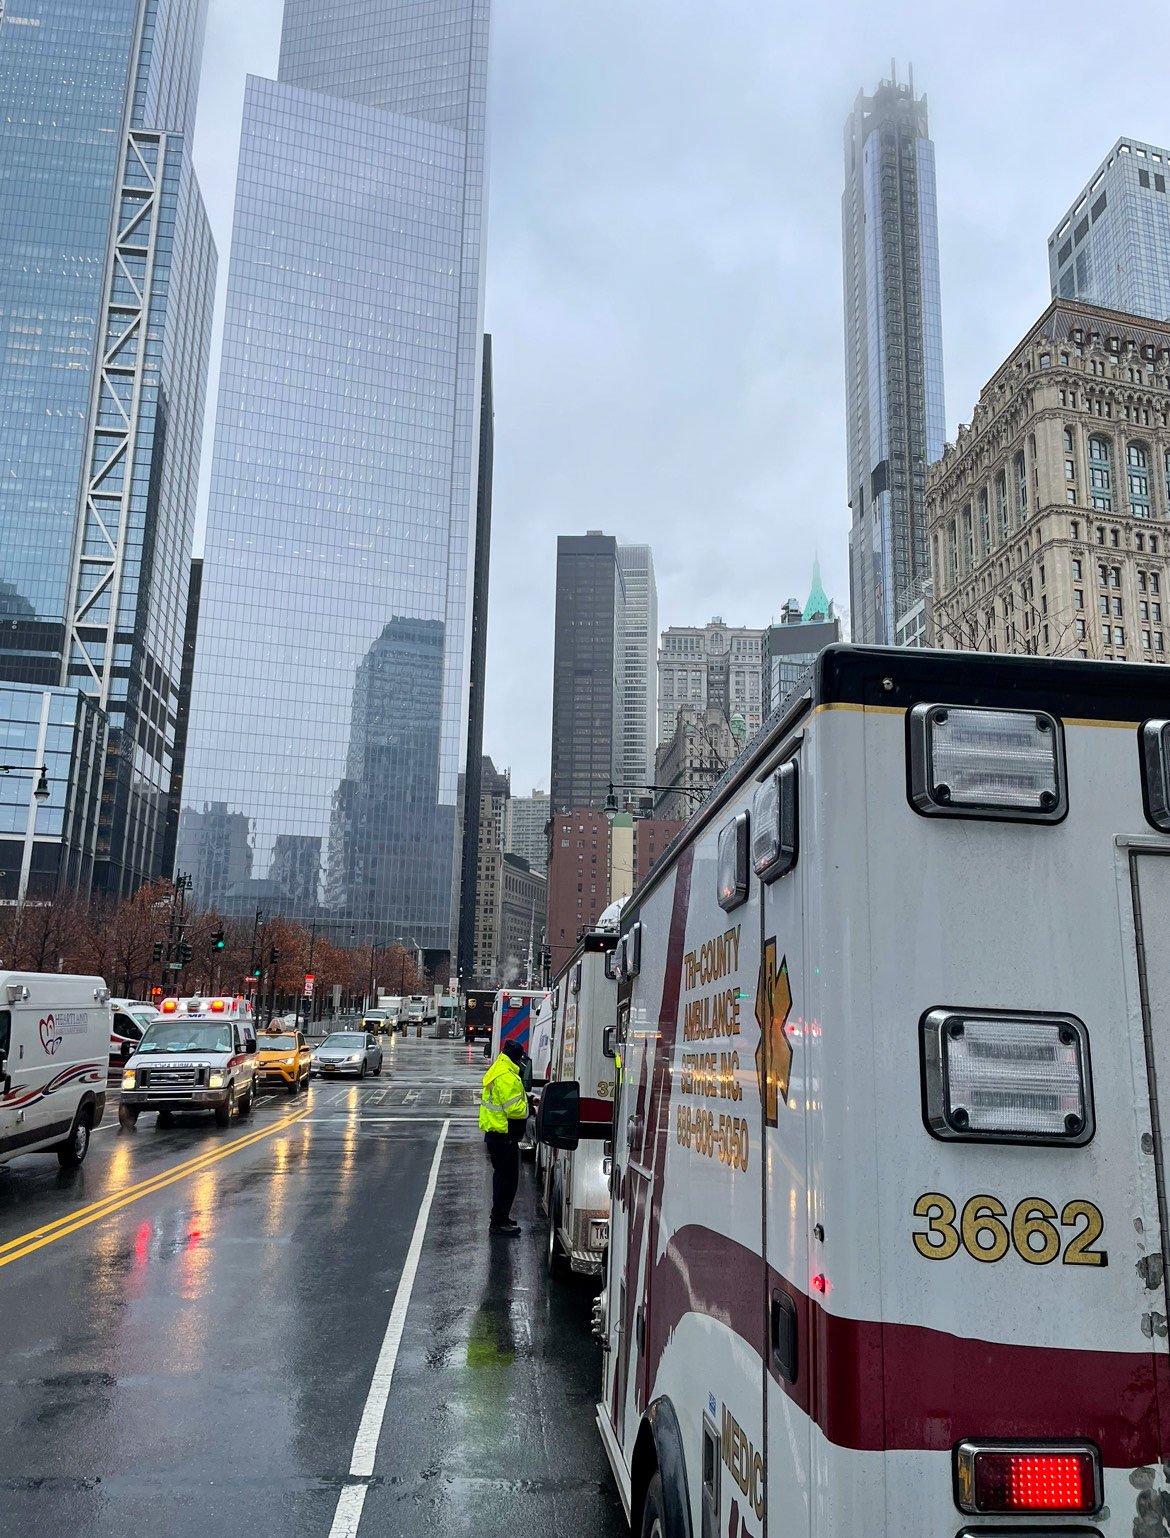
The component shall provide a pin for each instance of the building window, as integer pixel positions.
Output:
(1115, 538)
(1100, 477)
(1154, 588)
(1153, 544)
(1141, 581)
(1143, 609)
(1103, 605)
(1145, 640)
(1100, 535)
(1074, 529)
(1068, 440)
(968, 538)
(1079, 597)
(1076, 569)
(1137, 462)
(1158, 644)
(1118, 635)
(1001, 503)
(1116, 608)
(1115, 576)
(1139, 541)
(1080, 629)
(1070, 470)
(1021, 489)
(1103, 574)
(1156, 612)
(985, 520)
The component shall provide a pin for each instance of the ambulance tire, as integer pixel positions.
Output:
(249, 1100)
(71, 1153)
(127, 1118)
(654, 1511)
(223, 1113)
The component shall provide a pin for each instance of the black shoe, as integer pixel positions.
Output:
(508, 1228)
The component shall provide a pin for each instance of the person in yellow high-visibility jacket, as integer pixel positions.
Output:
(503, 1112)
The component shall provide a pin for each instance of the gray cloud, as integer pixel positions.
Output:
(664, 269)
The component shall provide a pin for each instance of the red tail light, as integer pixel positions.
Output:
(1001, 1478)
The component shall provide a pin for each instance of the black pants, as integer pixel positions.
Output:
(504, 1152)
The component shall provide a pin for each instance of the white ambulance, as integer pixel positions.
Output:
(889, 1205)
(199, 1055)
(576, 1180)
(54, 1053)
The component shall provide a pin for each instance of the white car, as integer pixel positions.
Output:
(54, 1054)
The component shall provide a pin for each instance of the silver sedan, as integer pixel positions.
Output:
(356, 1052)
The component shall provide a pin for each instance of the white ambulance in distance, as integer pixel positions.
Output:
(54, 1052)
(576, 1180)
(199, 1055)
(888, 1237)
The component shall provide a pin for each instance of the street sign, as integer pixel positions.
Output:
(309, 980)
(453, 987)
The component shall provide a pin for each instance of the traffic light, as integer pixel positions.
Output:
(184, 952)
(273, 956)
(256, 972)
(217, 939)
(158, 951)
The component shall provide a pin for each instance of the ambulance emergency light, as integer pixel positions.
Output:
(975, 762)
(993, 1477)
(1007, 1078)
(773, 824)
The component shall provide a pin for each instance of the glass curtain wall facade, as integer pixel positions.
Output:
(639, 664)
(339, 553)
(893, 352)
(107, 276)
(1112, 248)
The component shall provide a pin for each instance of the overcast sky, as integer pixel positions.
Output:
(664, 268)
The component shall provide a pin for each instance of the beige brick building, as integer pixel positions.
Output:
(1049, 518)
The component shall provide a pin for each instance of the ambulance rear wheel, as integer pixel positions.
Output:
(72, 1152)
(654, 1511)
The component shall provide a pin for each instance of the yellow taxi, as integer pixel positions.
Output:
(283, 1058)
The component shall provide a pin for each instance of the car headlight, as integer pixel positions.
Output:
(356, 1057)
(215, 1079)
(129, 1078)
(289, 1062)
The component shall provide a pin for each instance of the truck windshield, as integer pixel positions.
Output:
(187, 1036)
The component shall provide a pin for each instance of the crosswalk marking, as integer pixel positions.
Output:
(445, 1096)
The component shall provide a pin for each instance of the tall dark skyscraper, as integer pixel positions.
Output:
(893, 356)
(107, 276)
(587, 669)
(343, 485)
(479, 626)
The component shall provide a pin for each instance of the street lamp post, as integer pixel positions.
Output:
(40, 792)
(611, 806)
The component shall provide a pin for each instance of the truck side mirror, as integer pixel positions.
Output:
(558, 1117)
(607, 1039)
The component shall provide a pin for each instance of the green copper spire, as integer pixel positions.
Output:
(818, 605)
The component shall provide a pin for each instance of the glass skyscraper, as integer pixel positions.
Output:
(329, 699)
(107, 277)
(893, 355)
(1112, 248)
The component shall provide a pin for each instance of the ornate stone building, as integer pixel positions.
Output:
(1048, 517)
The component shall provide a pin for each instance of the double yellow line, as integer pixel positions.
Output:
(37, 1238)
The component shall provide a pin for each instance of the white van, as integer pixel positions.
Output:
(54, 1054)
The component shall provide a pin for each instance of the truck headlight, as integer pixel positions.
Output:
(995, 1076)
(974, 762)
(129, 1078)
(215, 1079)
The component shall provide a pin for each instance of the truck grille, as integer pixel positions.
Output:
(171, 1078)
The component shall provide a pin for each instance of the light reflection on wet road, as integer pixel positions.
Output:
(197, 1359)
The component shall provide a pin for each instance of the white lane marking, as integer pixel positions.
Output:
(411, 1097)
(361, 1465)
(445, 1095)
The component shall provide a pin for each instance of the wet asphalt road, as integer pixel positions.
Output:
(189, 1328)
